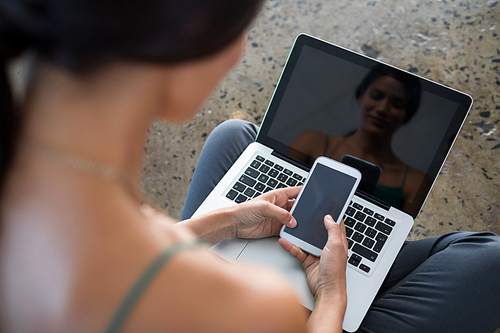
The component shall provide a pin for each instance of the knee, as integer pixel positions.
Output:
(234, 130)
(483, 245)
(232, 126)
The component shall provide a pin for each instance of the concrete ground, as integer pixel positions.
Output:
(456, 43)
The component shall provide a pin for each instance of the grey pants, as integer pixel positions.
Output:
(449, 283)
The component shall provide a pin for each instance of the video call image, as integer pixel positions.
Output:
(381, 115)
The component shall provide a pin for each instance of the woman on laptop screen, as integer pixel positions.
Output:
(388, 99)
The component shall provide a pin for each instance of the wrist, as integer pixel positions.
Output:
(337, 300)
(213, 226)
(328, 314)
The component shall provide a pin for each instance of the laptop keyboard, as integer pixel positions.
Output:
(261, 176)
(367, 231)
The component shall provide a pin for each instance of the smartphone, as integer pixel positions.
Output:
(328, 189)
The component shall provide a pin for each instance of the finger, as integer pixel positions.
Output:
(344, 235)
(336, 233)
(278, 213)
(282, 195)
(289, 204)
(295, 251)
(334, 230)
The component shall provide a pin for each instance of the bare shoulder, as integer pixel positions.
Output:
(414, 180)
(199, 292)
(311, 136)
(416, 176)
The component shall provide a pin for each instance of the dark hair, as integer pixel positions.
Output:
(410, 82)
(81, 34)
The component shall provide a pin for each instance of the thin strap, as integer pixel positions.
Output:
(326, 145)
(404, 177)
(145, 279)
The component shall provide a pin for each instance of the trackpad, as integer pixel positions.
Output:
(268, 252)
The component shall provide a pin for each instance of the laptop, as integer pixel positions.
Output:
(395, 127)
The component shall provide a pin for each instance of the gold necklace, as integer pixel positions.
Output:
(84, 165)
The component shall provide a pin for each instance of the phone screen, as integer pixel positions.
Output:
(326, 192)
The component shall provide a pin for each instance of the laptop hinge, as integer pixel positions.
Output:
(290, 160)
(373, 200)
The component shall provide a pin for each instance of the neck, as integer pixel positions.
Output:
(91, 117)
(376, 147)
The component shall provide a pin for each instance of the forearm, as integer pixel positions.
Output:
(213, 226)
(328, 315)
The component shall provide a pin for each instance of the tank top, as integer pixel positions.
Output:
(131, 299)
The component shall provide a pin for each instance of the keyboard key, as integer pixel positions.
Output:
(239, 187)
(370, 221)
(368, 242)
(241, 198)
(288, 172)
(247, 180)
(264, 168)
(231, 194)
(360, 227)
(270, 163)
(368, 211)
(383, 227)
(355, 259)
(281, 185)
(357, 206)
(358, 237)
(390, 222)
(297, 176)
(282, 177)
(272, 183)
(260, 187)
(364, 268)
(255, 164)
(364, 252)
(278, 167)
(256, 194)
(350, 211)
(349, 243)
(360, 216)
(268, 189)
(291, 182)
(249, 192)
(348, 231)
(273, 173)
(263, 178)
(252, 172)
(350, 222)
(380, 217)
(381, 239)
(260, 158)
(370, 232)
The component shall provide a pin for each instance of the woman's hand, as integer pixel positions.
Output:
(264, 215)
(326, 275)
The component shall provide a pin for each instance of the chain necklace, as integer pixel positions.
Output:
(83, 165)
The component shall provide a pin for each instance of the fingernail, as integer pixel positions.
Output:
(329, 218)
(292, 223)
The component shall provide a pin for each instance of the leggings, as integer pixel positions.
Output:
(448, 283)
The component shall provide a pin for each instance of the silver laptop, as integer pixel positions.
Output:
(395, 127)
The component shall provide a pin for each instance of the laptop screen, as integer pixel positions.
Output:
(333, 102)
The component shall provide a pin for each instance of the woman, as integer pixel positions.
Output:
(388, 99)
(78, 251)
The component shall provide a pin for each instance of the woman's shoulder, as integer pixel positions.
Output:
(198, 291)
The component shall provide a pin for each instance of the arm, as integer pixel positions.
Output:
(213, 226)
(326, 278)
(260, 217)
